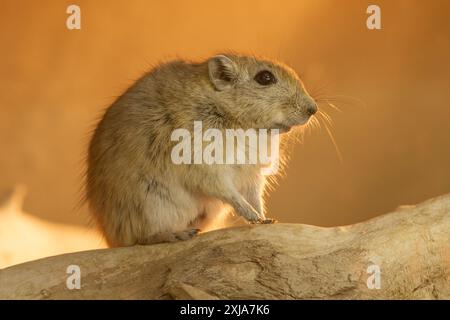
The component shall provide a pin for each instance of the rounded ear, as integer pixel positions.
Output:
(222, 72)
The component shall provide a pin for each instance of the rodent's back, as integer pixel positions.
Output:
(132, 140)
(138, 123)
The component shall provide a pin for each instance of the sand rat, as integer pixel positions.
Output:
(135, 191)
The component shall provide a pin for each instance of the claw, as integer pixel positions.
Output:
(269, 221)
(264, 221)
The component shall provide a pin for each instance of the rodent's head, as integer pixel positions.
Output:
(260, 93)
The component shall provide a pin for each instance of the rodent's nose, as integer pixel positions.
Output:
(312, 109)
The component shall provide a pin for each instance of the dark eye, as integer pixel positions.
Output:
(265, 78)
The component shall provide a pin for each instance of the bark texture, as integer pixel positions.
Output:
(410, 247)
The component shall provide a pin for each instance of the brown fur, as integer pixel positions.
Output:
(135, 191)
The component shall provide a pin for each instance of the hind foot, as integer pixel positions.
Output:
(170, 237)
(185, 234)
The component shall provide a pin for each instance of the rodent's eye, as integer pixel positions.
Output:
(265, 78)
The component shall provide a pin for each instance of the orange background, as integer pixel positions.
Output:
(391, 84)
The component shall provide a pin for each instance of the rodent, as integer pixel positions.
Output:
(136, 193)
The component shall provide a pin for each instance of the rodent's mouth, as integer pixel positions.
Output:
(282, 127)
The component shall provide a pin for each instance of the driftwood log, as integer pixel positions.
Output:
(401, 255)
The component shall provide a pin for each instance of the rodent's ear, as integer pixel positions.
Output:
(222, 72)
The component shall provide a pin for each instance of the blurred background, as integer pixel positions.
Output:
(392, 85)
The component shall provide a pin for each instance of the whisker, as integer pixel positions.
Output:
(338, 152)
(317, 123)
(326, 117)
(342, 99)
(332, 105)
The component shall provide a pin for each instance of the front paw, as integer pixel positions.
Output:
(252, 217)
(263, 221)
(255, 220)
(268, 221)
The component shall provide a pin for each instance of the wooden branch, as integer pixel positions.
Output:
(410, 248)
